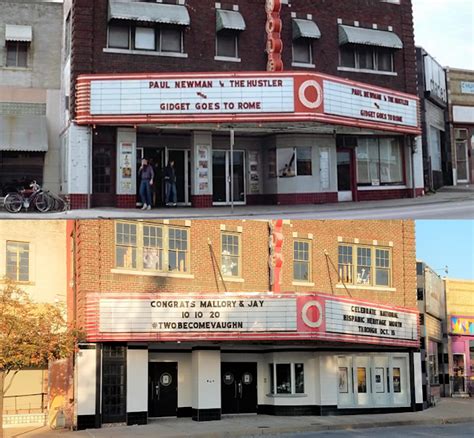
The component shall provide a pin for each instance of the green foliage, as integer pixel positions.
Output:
(32, 334)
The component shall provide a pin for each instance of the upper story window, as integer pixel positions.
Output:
(151, 248)
(162, 33)
(364, 265)
(304, 33)
(18, 261)
(17, 42)
(302, 260)
(231, 255)
(229, 24)
(367, 49)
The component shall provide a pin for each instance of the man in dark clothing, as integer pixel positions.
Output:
(170, 185)
(146, 174)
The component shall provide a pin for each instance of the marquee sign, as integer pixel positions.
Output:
(148, 317)
(462, 325)
(243, 97)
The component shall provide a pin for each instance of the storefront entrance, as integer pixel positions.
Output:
(239, 387)
(162, 389)
(221, 182)
(103, 175)
(462, 159)
(182, 167)
(458, 373)
(345, 174)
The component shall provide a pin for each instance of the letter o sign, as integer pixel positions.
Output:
(319, 94)
(304, 314)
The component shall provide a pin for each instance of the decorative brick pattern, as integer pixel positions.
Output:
(126, 201)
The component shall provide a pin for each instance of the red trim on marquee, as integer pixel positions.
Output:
(302, 112)
(303, 333)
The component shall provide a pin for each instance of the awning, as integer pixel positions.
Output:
(23, 133)
(305, 29)
(150, 12)
(15, 32)
(369, 37)
(231, 20)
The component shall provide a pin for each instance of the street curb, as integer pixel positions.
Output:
(327, 428)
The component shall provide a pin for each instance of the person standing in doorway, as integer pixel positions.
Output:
(146, 174)
(170, 185)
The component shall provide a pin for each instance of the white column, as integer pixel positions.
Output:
(328, 379)
(418, 164)
(137, 380)
(126, 161)
(85, 372)
(206, 378)
(418, 378)
(78, 160)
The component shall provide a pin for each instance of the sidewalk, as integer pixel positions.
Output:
(448, 411)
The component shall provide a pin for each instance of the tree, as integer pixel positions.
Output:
(31, 335)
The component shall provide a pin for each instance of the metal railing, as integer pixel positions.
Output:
(39, 407)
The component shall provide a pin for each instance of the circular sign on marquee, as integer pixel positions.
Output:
(312, 102)
(304, 314)
(166, 379)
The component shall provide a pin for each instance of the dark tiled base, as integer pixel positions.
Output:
(288, 411)
(185, 412)
(292, 411)
(379, 195)
(333, 410)
(86, 422)
(137, 418)
(77, 202)
(201, 201)
(126, 201)
(206, 414)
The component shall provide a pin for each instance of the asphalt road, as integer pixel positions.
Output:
(451, 430)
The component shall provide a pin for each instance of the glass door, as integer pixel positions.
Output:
(462, 162)
(182, 167)
(344, 174)
(458, 373)
(221, 177)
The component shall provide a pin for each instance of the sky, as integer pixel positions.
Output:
(441, 243)
(445, 29)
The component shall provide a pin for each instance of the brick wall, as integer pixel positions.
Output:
(89, 38)
(95, 259)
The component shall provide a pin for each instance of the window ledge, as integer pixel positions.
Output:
(226, 58)
(287, 395)
(13, 68)
(371, 72)
(302, 283)
(367, 188)
(234, 279)
(145, 52)
(151, 274)
(364, 287)
(303, 65)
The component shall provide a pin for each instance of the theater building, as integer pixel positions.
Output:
(256, 102)
(199, 319)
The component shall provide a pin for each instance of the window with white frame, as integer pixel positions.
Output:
(302, 260)
(17, 54)
(286, 378)
(303, 51)
(151, 248)
(295, 161)
(227, 44)
(379, 161)
(230, 255)
(365, 265)
(162, 39)
(366, 58)
(18, 261)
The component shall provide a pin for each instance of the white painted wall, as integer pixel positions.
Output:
(418, 378)
(137, 380)
(206, 379)
(417, 164)
(328, 378)
(86, 382)
(185, 382)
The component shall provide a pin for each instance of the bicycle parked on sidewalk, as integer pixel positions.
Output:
(43, 201)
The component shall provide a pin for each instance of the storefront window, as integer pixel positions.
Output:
(152, 248)
(126, 246)
(303, 161)
(396, 376)
(433, 372)
(286, 162)
(379, 161)
(361, 380)
(299, 378)
(230, 257)
(301, 260)
(289, 378)
(178, 249)
(283, 375)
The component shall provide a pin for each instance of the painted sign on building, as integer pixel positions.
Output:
(462, 325)
(467, 87)
(243, 97)
(248, 317)
(435, 79)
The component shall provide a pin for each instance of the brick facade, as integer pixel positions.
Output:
(95, 259)
(89, 38)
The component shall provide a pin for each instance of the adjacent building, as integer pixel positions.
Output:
(200, 319)
(461, 117)
(256, 102)
(432, 90)
(30, 59)
(433, 339)
(28, 250)
(460, 313)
